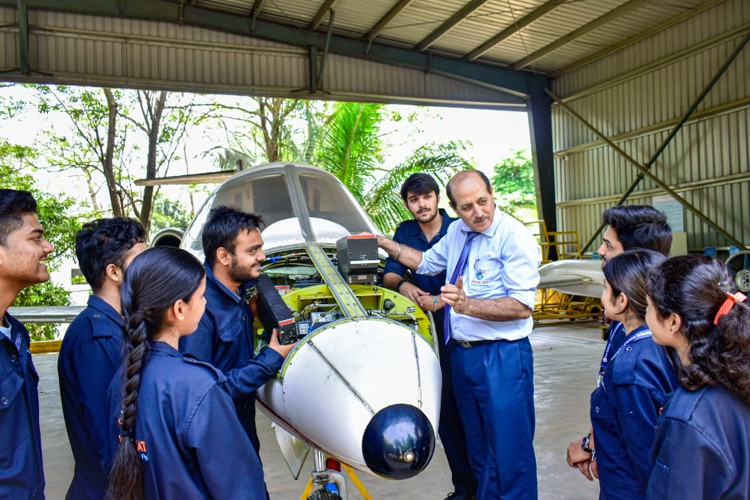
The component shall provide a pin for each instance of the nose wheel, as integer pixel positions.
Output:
(739, 267)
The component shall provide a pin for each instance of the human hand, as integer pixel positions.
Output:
(581, 460)
(412, 292)
(454, 296)
(430, 303)
(283, 349)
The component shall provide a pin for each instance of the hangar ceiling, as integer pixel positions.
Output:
(502, 54)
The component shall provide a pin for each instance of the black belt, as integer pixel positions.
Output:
(468, 344)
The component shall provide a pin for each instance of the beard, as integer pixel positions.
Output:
(427, 216)
(241, 274)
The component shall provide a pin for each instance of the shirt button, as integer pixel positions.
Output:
(13, 358)
(97, 315)
(596, 409)
(4, 401)
(628, 348)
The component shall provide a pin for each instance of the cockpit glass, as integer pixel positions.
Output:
(267, 196)
(326, 199)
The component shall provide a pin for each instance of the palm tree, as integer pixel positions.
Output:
(351, 148)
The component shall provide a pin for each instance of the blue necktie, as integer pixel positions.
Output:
(458, 271)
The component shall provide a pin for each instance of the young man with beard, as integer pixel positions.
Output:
(224, 338)
(492, 262)
(421, 195)
(92, 348)
(628, 227)
(23, 262)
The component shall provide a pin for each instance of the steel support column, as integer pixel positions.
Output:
(540, 126)
(23, 37)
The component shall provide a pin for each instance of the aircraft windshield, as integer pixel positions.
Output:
(326, 199)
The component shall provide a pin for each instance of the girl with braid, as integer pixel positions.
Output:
(179, 436)
(635, 379)
(702, 443)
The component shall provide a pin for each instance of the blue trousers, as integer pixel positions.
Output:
(451, 430)
(494, 389)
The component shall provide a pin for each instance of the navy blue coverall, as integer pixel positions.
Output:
(21, 470)
(224, 339)
(624, 410)
(186, 434)
(90, 355)
(702, 446)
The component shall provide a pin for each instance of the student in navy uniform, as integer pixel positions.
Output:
(179, 437)
(225, 338)
(495, 261)
(628, 227)
(91, 350)
(23, 262)
(421, 195)
(702, 444)
(635, 381)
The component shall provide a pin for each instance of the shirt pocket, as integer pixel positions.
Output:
(484, 274)
(658, 482)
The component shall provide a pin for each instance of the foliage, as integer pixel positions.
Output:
(513, 183)
(104, 144)
(60, 229)
(351, 148)
(169, 213)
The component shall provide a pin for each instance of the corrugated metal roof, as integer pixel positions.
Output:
(420, 18)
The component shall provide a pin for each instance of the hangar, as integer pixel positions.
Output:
(629, 101)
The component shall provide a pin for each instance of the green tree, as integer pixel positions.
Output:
(513, 182)
(169, 213)
(60, 229)
(103, 142)
(351, 148)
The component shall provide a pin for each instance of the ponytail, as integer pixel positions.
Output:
(155, 279)
(126, 476)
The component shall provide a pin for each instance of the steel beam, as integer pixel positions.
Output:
(643, 171)
(540, 126)
(327, 5)
(448, 25)
(522, 83)
(513, 29)
(637, 37)
(390, 16)
(583, 30)
(257, 7)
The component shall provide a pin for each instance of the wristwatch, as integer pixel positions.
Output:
(585, 444)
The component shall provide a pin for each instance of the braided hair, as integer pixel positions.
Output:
(695, 287)
(154, 281)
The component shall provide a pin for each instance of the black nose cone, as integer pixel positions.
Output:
(399, 442)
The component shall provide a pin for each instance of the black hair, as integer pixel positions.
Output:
(154, 281)
(481, 175)
(419, 184)
(639, 226)
(102, 242)
(694, 287)
(222, 227)
(627, 273)
(14, 205)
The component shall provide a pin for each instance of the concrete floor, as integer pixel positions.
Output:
(565, 364)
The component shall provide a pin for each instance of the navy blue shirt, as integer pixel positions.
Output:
(624, 410)
(186, 433)
(410, 234)
(702, 446)
(224, 339)
(21, 471)
(90, 354)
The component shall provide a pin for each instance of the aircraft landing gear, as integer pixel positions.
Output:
(328, 482)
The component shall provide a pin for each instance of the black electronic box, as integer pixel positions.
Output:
(274, 313)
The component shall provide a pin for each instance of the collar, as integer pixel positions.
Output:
(211, 278)
(447, 221)
(103, 307)
(163, 347)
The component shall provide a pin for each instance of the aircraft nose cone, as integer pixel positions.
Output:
(399, 441)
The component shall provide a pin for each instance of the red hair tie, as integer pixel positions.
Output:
(732, 299)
